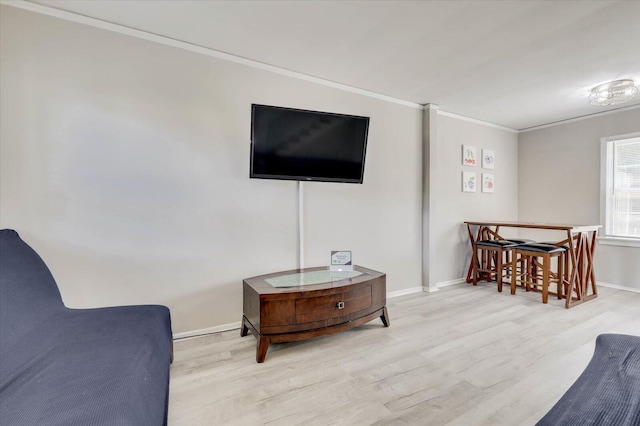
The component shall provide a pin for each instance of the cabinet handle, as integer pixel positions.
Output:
(340, 305)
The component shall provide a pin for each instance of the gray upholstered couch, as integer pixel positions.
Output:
(607, 393)
(61, 366)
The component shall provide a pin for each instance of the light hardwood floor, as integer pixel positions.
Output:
(461, 356)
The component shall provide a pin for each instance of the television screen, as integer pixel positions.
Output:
(296, 144)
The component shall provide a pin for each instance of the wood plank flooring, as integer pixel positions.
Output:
(461, 356)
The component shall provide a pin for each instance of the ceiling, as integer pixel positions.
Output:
(518, 64)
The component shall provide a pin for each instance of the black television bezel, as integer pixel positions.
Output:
(253, 175)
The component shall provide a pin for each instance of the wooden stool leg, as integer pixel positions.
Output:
(528, 272)
(567, 271)
(560, 290)
(545, 278)
(475, 260)
(514, 272)
(499, 270)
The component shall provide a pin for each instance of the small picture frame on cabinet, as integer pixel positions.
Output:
(341, 260)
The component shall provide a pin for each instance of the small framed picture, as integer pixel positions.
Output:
(487, 182)
(468, 182)
(341, 260)
(469, 157)
(488, 159)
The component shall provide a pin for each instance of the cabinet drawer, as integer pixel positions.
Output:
(319, 308)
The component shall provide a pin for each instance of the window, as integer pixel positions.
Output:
(621, 191)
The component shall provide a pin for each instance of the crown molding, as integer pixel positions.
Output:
(583, 117)
(476, 121)
(121, 29)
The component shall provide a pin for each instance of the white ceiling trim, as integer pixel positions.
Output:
(584, 117)
(473, 120)
(121, 29)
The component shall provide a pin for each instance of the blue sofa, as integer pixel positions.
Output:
(608, 390)
(61, 366)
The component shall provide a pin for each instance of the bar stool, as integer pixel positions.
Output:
(521, 262)
(564, 258)
(488, 258)
(537, 260)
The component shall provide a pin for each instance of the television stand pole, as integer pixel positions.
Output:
(300, 225)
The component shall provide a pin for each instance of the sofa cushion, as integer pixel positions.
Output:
(28, 292)
(61, 366)
(608, 391)
(107, 366)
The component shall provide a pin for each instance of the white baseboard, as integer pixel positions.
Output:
(451, 282)
(412, 290)
(208, 330)
(619, 287)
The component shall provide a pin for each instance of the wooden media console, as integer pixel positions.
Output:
(304, 303)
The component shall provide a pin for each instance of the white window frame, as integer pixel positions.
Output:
(606, 188)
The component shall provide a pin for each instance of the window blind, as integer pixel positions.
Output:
(624, 214)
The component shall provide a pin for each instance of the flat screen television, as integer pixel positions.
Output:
(295, 144)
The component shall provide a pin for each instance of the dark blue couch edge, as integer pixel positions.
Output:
(62, 366)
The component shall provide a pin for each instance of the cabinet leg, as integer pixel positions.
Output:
(385, 317)
(243, 328)
(261, 350)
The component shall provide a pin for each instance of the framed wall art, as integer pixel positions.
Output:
(469, 157)
(487, 182)
(488, 159)
(468, 182)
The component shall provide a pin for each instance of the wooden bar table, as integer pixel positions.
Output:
(581, 240)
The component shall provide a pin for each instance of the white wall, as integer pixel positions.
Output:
(559, 182)
(124, 163)
(450, 207)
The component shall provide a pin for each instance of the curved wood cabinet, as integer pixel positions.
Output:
(287, 314)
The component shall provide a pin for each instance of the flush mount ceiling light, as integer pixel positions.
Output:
(614, 92)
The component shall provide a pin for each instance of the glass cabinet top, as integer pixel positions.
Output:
(309, 278)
